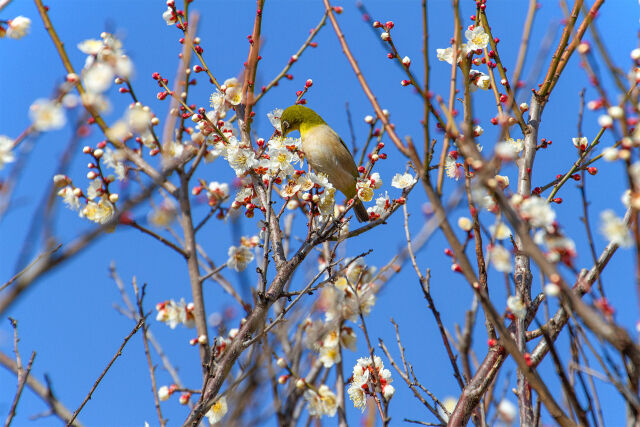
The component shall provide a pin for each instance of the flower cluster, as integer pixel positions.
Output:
(99, 202)
(241, 256)
(175, 313)
(368, 378)
(321, 401)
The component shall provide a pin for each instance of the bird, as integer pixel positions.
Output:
(325, 152)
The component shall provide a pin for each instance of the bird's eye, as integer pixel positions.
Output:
(285, 125)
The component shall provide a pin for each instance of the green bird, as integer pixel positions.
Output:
(325, 152)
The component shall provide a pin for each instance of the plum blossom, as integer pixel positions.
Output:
(217, 411)
(614, 229)
(6, 155)
(363, 379)
(403, 181)
(500, 258)
(537, 211)
(46, 115)
(517, 307)
(446, 55)
(18, 27)
(239, 257)
(274, 118)
(477, 38)
(175, 313)
(321, 401)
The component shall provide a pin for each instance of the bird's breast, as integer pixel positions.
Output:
(326, 154)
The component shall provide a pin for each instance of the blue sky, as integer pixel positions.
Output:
(68, 318)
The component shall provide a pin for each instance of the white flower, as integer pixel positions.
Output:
(500, 231)
(382, 205)
(365, 192)
(112, 159)
(217, 192)
(348, 338)
(46, 115)
(98, 77)
(70, 198)
(388, 391)
(90, 46)
(290, 190)
(239, 257)
(216, 101)
(477, 38)
(616, 111)
(95, 101)
(615, 229)
(453, 168)
(537, 211)
(232, 91)
(327, 202)
(280, 160)
(241, 159)
(363, 375)
(449, 404)
(605, 121)
(447, 54)
(124, 67)
(274, 118)
(322, 402)
(320, 179)
(465, 223)
(517, 307)
(552, 290)
(500, 258)
(376, 181)
(169, 17)
(163, 393)
(173, 149)
(610, 154)
(509, 149)
(580, 143)
(507, 411)
(305, 182)
(174, 314)
(403, 181)
(100, 212)
(329, 355)
(18, 27)
(479, 80)
(357, 395)
(139, 118)
(217, 411)
(95, 189)
(6, 155)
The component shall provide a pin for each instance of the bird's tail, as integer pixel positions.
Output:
(361, 211)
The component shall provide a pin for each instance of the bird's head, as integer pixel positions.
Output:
(298, 115)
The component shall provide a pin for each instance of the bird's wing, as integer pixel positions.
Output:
(353, 167)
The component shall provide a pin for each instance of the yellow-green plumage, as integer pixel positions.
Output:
(325, 152)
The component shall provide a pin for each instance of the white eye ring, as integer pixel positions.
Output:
(285, 125)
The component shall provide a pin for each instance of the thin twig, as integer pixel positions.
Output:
(104, 372)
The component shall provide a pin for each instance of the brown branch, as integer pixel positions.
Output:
(23, 374)
(186, 221)
(365, 87)
(104, 372)
(152, 374)
(43, 392)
